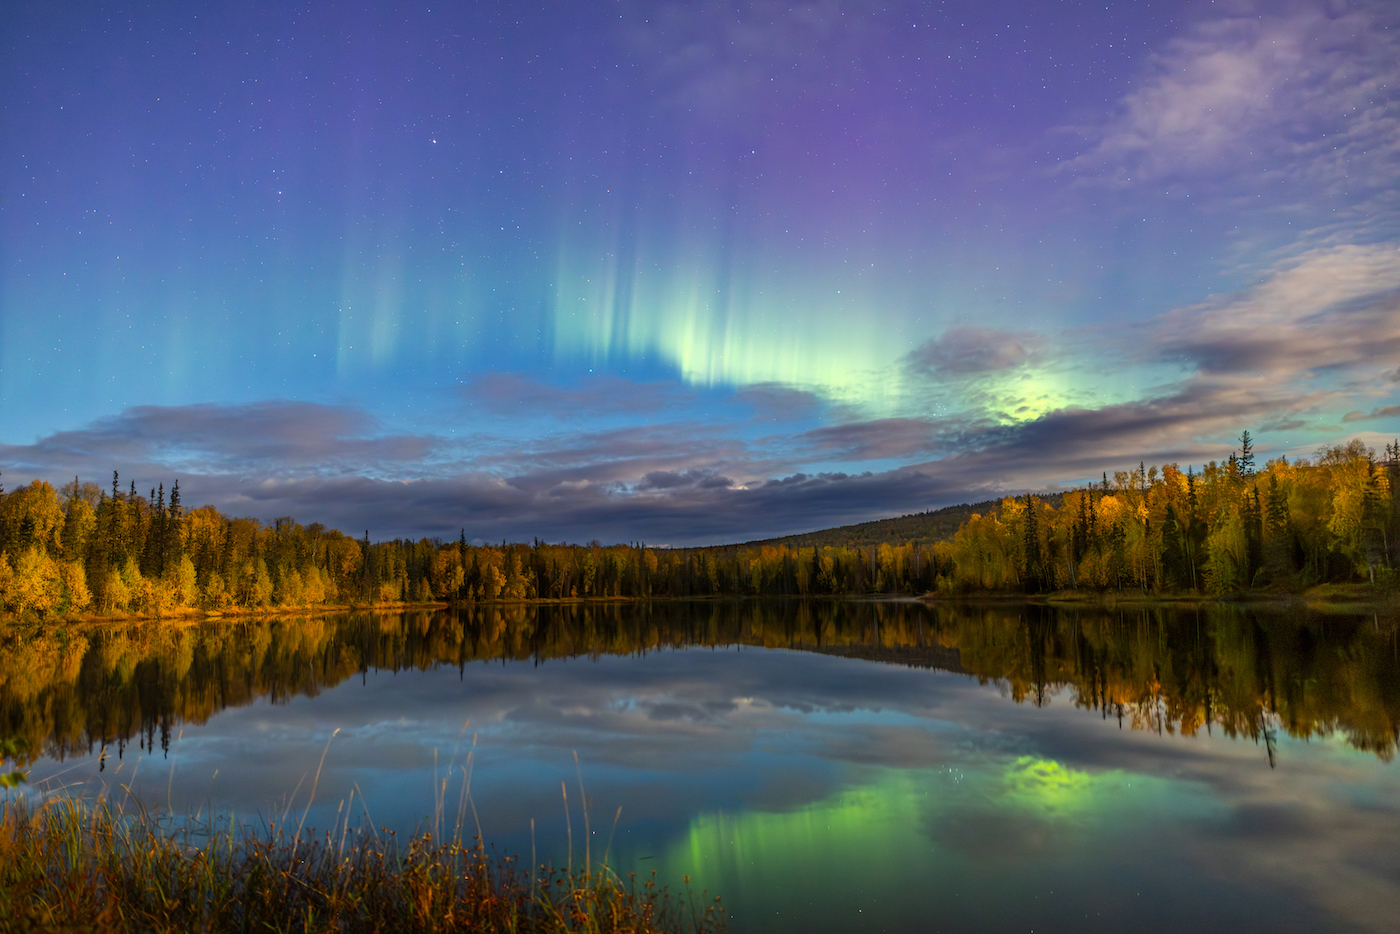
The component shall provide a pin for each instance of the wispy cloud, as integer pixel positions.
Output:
(1293, 92)
(972, 351)
(273, 438)
(513, 394)
(1384, 411)
(1329, 311)
(777, 402)
(722, 60)
(880, 439)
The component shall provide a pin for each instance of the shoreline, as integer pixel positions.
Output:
(1328, 597)
(1341, 597)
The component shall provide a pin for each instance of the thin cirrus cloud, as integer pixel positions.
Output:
(516, 393)
(1330, 318)
(723, 63)
(1384, 411)
(1298, 88)
(880, 439)
(272, 438)
(974, 351)
(777, 402)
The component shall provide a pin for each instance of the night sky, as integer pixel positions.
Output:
(687, 272)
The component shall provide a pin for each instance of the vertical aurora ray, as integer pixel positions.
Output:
(721, 316)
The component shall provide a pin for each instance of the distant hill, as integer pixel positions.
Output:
(937, 525)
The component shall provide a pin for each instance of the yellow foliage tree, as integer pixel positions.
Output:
(75, 585)
(37, 585)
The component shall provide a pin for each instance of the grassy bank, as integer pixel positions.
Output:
(67, 865)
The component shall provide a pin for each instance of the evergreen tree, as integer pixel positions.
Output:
(156, 541)
(174, 546)
(1277, 557)
(1195, 529)
(1079, 536)
(1253, 516)
(1173, 551)
(1034, 577)
(369, 581)
(462, 558)
(1246, 460)
(1276, 511)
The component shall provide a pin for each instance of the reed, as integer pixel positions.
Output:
(70, 865)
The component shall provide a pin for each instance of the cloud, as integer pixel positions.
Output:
(1302, 90)
(515, 394)
(880, 439)
(971, 351)
(667, 480)
(1384, 411)
(721, 61)
(1329, 312)
(777, 402)
(272, 438)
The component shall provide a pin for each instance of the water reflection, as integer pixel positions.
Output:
(905, 768)
(1246, 673)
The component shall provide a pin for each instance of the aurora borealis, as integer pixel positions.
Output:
(687, 272)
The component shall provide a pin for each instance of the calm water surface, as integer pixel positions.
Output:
(853, 766)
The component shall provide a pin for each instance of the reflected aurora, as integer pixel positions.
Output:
(857, 838)
(1051, 789)
(895, 828)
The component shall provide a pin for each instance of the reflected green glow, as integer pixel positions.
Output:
(846, 822)
(910, 826)
(862, 838)
(1046, 786)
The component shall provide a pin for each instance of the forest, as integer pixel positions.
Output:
(1231, 528)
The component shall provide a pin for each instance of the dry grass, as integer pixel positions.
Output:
(68, 865)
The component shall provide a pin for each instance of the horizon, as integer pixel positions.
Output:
(697, 274)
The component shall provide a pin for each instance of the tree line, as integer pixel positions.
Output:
(1334, 518)
(83, 549)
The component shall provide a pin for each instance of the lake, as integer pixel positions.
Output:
(823, 766)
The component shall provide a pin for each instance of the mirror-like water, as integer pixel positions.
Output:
(825, 767)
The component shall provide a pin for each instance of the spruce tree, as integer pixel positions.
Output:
(462, 557)
(155, 541)
(174, 547)
(1173, 554)
(1030, 550)
(1246, 460)
(368, 589)
(1278, 545)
